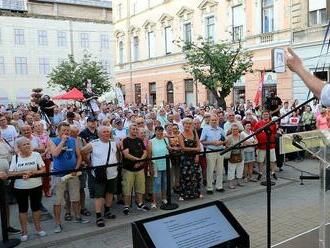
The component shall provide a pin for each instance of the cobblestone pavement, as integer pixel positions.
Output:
(295, 209)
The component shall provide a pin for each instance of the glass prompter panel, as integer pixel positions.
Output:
(316, 143)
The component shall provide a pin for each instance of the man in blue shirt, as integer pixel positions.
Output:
(66, 156)
(213, 138)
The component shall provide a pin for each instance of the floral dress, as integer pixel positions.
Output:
(190, 180)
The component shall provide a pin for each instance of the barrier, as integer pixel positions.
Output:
(169, 206)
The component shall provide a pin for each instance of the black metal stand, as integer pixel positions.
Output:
(269, 188)
(6, 242)
(169, 205)
(268, 167)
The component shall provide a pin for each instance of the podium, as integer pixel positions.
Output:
(316, 143)
(206, 225)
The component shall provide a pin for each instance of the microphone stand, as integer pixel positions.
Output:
(268, 179)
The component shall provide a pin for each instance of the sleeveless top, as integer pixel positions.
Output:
(67, 159)
(191, 143)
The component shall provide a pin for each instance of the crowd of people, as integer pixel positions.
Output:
(60, 138)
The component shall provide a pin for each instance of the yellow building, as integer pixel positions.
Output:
(149, 65)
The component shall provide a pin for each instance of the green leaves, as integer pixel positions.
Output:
(217, 66)
(71, 73)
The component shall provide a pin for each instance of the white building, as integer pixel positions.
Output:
(32, 43)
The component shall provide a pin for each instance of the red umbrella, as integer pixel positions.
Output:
(73, 94)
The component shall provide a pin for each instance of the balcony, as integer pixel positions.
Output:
(309, 34)
(266, 38)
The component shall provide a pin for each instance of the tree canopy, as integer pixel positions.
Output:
(70, 73)
(217, 66)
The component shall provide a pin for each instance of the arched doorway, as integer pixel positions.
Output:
(170, 92)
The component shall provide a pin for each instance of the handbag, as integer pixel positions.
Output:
(101, 172)
(235, 158)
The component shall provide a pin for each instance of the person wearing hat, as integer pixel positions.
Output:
(88, 134)
(119, 132)
(317, 86)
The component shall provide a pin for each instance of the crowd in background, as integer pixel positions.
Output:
(59, 138)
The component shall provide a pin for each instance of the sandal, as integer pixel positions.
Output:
(108, 215)
(85, 212)
(67, 217)
(100, 222)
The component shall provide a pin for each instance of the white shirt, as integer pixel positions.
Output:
(99, 156)
(325, 95)
(31, 163)
(9, 134)
(286, 119)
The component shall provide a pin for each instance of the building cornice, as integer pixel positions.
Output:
(89, 3)
(50, 17)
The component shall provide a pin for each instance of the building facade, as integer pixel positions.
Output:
(36, 38)
(149, 65)
(307, 40)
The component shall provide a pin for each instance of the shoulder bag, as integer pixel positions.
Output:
(101, 172)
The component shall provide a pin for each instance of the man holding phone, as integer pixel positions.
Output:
(66, 156)
(317, 86)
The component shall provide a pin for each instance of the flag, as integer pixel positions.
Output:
(258, 95)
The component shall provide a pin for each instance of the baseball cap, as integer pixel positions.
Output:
(91, 118)
(117, 121)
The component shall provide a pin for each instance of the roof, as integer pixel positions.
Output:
(92, 3)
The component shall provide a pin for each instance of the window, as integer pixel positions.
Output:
(135, 48)
(135, 7)
(189, 92)
(104, 41)
(21, 65)
(187, 32)
(121, 52)
(168, 40)
(137, 90)
(120, 9)
(42, 38)
(2, 65)
(267, 16)
(210, 28)
(106, 66)
(152, 93)
(317, 17)
(61, 39)
(317, 12)
(84, 40)
(19, 36)
(151, 44)
(238, 21)
(43, 66)
(170, 92)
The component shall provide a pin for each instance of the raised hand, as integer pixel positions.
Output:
(293, 61)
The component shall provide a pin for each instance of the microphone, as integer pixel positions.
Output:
(296, 140)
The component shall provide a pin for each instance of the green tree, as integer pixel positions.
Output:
(216, 66)
(71, 73)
